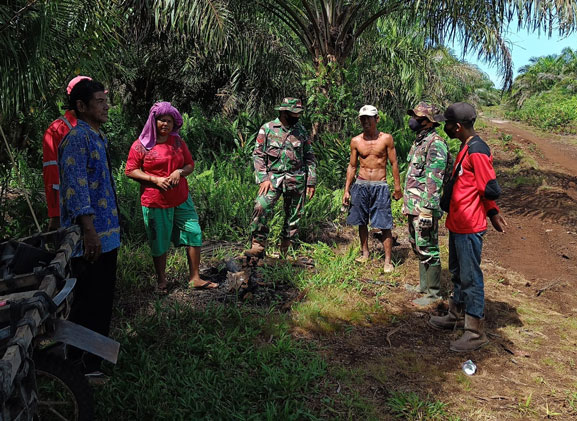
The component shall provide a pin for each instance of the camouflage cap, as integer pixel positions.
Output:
(424, 109)
(294, 105)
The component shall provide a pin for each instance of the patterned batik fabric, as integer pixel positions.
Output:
(86, 185)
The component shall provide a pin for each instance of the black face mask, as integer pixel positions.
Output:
(450, 132)
(414, 124)
(292, 120)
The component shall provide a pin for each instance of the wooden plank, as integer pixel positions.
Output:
(25, 335)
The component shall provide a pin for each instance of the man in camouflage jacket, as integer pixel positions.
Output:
(427, 164)
(285, 165)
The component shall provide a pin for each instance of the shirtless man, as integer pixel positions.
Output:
(369, 196)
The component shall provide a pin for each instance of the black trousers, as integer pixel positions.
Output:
(93, 297)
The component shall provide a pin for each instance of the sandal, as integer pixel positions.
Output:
(206, 285)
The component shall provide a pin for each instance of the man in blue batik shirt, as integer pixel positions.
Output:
(88, 198)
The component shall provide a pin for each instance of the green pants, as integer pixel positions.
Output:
(425, 242)
(263, 209)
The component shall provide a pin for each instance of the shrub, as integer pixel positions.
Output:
(552, 111)
(15, 182)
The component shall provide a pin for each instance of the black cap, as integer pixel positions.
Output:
(460, 111)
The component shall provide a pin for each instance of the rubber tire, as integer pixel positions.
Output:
(74, 382)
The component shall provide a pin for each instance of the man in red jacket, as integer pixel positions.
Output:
(473, 200)
(52, 138)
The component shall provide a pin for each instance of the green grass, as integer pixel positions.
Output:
(550, 111)
(334, 269)
(136, 271)
(533, 180)
(571, 400)
(525, 405)
(180, 364)
(506, 138)
(464, 381)
(409, 406)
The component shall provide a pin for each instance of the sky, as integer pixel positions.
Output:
(523, 46)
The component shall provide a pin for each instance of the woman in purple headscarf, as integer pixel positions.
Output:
(160, 161)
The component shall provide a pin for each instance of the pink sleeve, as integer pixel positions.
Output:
(135, 157)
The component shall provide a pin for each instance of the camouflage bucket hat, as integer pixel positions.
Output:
(427, 110)
(294, 105)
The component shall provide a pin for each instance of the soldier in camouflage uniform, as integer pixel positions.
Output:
(428, 162)
(285, 165)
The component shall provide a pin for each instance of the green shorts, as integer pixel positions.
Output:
(179, 224)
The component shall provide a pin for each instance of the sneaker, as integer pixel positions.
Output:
(389, 268)
(362, 259)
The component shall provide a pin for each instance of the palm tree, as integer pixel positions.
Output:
(330, 29)
(24, 29)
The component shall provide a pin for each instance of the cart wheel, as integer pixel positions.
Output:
(63, 392)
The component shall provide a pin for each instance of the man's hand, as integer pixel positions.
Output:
(174, 178)
(264, 188)
(92, 245)
(310, 192)
(347, 198)
(54, 223)
(425, 220)
(498, 222)
(398, 194)
(162, 182)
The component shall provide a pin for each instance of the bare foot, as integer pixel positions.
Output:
(198, 283)
(162, 287)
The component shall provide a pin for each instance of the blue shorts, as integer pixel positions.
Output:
(371, 199)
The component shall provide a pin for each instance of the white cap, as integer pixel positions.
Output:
(368, 110)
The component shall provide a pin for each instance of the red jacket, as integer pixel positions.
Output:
(475, 189)
(52, 138)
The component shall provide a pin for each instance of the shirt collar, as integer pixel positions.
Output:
(82, 123)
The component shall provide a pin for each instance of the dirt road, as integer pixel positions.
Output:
(539, 176)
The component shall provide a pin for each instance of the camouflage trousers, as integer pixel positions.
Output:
(425, 242)
(263, 209)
